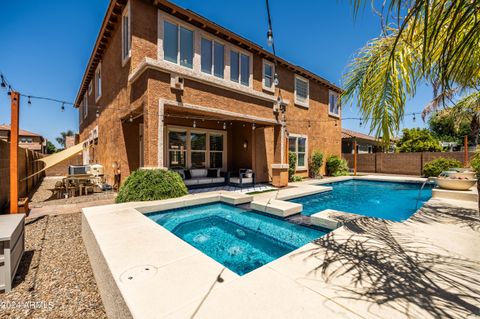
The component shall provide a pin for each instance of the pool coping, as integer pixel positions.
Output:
(120, 240)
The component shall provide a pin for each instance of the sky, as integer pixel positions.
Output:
(45, 47)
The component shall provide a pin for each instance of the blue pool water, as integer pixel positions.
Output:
(240, 240)
(387, 200)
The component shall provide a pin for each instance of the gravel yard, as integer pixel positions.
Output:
(54, 273)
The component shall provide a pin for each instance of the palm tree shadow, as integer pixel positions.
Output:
(388, 267)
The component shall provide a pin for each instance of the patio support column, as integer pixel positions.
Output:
(161, 124)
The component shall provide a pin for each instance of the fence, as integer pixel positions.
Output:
(399, 163)
(26, 167)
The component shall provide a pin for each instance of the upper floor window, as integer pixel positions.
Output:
(268, 74)
(333, 104)
(213, 56)
(85, 105)
(126, 34)
(301, 91)
(178, 44)
(98, 82)
(240, 68)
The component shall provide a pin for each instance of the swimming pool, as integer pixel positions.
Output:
(387, 200)
(241, 240)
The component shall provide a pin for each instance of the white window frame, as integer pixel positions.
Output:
(272, 88)
(98, 82)
(189, 147)
(250, 63)
(297, 136)
(307, 100)
(85, 106)
(189, 130)
(128, 42)
(330, 94)
(185, 26)
(225, 49)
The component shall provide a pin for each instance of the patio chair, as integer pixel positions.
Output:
(246, 177)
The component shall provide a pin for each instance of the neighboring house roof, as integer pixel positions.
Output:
(112, 18)
(350, 134)
(5, 127)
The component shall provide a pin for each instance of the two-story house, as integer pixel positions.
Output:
(165, 87)
(26, 139)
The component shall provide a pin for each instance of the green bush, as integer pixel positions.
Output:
(296, 178)
(475, 163)
(435, 167)
(155, 184)
(292, 165)
(336, 166)
(316, 164)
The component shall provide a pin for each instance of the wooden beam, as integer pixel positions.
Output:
(14, 128)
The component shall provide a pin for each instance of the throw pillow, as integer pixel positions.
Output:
(187, 173)
(212, 173)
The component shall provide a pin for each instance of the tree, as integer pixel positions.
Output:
(435, 41)
(50, 148)
(418, 140)
(62, 139)
(447, 128)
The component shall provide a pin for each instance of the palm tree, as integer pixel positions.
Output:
(436, 41)
(62, 139)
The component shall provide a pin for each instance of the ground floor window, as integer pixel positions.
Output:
(298, 144)
(195, 148)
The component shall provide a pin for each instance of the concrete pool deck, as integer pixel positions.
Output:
(425, 267)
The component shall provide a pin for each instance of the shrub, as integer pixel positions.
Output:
(435, 167)
(418, 140)
(145, 185)
(292, 165)
(317, 162)
(336, 166)
(296, 178)
(475, 163)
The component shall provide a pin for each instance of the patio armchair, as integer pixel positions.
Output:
(246, 177)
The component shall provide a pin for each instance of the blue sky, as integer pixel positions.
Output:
(46, 46)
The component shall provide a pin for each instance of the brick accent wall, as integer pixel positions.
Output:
(26, 167)
(399, 163)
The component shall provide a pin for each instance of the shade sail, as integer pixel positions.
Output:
(54, 159)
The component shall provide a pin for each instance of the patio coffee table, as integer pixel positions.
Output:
(12, 246)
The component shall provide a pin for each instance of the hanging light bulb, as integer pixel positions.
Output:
(130, 118)
(63, 107)
(361, 122)
(3, 82)
(253, 126)
(29, 102)
(414, 118)
(275, 79)
(97, 113)
(194, 124)
(224, 125)
(269, 37)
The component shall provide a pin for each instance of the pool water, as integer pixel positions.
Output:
(241, 240)
(387, 200)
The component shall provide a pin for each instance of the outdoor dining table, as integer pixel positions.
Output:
(78, 180)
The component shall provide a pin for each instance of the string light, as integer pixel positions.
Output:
(97, 113)
(29, 101)
(130, 119)
(269, 37)
(63, 107)
(3, 84)
(194, 124)
(361, 122)
(253, 126)
(414, 118)
(224, 125)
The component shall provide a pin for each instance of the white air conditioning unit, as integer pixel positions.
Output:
(176, 82)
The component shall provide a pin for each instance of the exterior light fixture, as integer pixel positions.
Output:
(194, 124)
(309, 124)
(275, 79)
(269, 37)
(245, 144)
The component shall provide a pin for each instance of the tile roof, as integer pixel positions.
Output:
(6, 127)
(349, 134)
